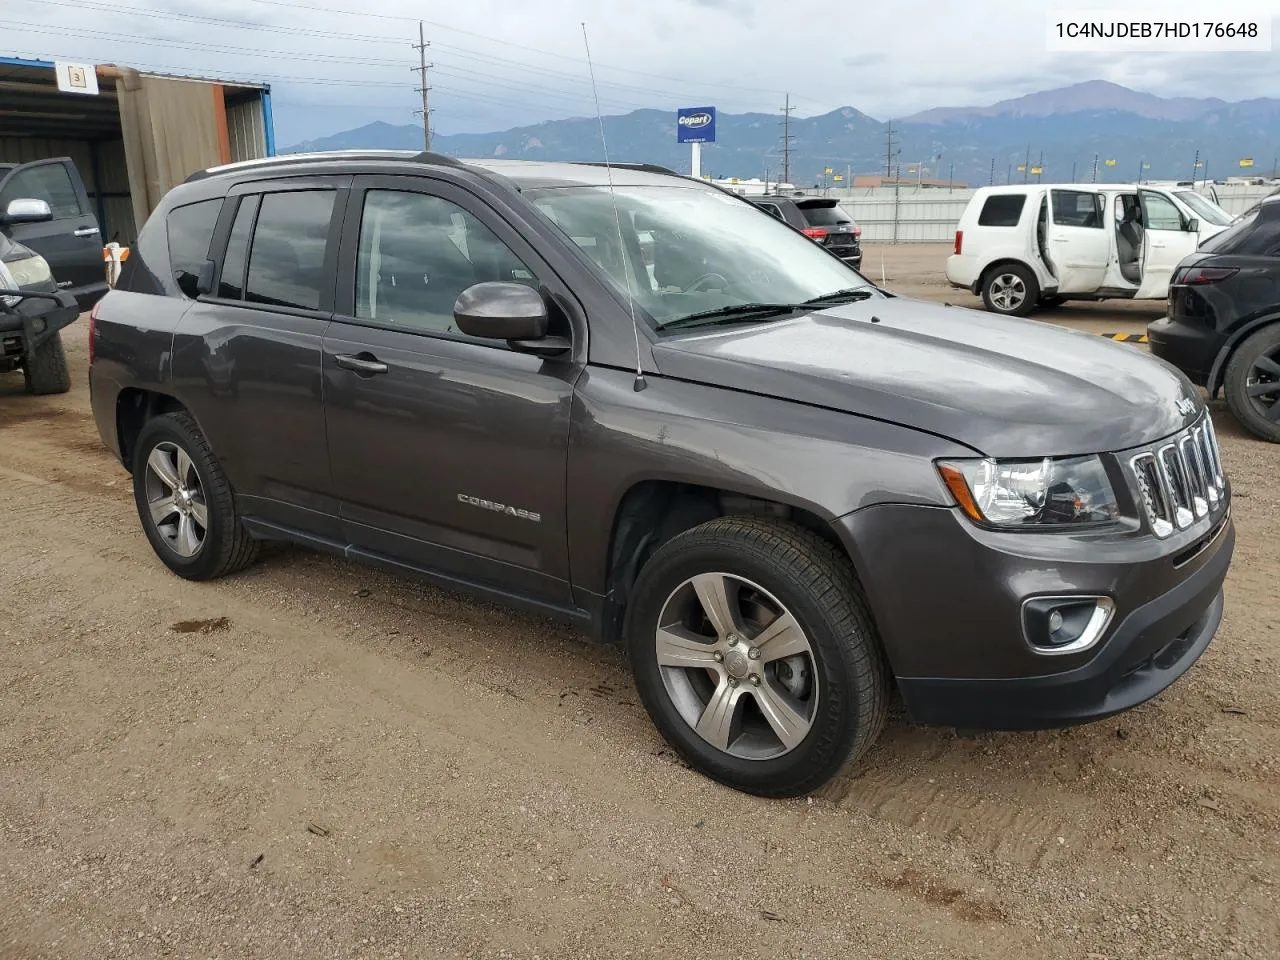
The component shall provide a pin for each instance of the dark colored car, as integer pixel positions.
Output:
(786, 491)
(69, 239)
(820, 219)
(1223, 325)
(32, 308)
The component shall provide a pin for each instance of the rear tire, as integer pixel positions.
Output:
(801, 704)
(1252, 383)
(185, 502)
(45, 368)
(1010, 290)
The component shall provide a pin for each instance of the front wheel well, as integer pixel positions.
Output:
(134, 407)
(654, 511)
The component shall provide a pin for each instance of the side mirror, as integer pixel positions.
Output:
(1193, 225)
(501, 311)
(27, 211)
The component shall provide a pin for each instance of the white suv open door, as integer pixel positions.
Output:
(1079, 242)
(1166, 241)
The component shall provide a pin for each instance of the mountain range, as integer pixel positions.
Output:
(1065, 131)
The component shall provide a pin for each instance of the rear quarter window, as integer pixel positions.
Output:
(190, 230)
(1002, 210)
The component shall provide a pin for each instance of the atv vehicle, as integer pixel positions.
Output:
(32, 308)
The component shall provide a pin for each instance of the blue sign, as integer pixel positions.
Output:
(696, 125)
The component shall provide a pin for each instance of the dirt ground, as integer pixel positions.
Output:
(312, 759)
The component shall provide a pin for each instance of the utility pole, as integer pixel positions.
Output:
(951, 176)
(786, 140)
(991, 177)
(421, 47)
(1073, 171)
(1008, 174)
(888, 151)
(1026, 165)
(1040, 167)
(1095, 168)
(1195, 165)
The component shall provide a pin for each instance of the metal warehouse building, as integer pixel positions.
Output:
(132, 135)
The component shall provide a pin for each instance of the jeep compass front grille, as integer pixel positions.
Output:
(1181, 480)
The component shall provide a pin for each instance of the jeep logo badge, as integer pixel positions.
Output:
(1186, 406)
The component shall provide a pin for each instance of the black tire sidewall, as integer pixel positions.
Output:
(45, 370)
(834, 731)
(1237, 376)
(1029, 281)
(172, 429)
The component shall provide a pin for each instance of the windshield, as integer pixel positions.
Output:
(693, 250)
(1204, 208)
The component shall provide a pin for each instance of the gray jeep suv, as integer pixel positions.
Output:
(787, 492)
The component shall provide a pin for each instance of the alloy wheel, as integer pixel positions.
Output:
(1262, 385)
(176, 500)
(1008, 291)
(737, 666)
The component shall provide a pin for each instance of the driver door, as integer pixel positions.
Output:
(1168, 241)
(447, 452)
(1079, 244)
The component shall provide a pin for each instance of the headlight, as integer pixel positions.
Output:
(1042, 492)
(30, 271)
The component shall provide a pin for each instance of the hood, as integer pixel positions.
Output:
(1005, 387)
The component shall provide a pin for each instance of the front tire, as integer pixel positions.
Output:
(1010, 290)
(45, 368)
(1253, 383)
(185, 502)
(754, 654)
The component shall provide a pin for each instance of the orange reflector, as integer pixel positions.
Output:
(959, 488)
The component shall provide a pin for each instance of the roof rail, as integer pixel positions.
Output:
(643, 167)
(287, 159)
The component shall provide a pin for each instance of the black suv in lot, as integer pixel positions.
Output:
(822, 220)
(1223, 325)
(786, 491)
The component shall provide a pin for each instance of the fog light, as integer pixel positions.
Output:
(1057, 625)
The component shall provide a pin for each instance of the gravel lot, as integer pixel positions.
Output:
(315, 760)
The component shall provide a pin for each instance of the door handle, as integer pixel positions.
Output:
(365, 363)
(86, 231)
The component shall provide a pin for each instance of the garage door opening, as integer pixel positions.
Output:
(130, 142)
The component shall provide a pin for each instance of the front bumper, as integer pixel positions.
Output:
(950, 615)
(37, 317)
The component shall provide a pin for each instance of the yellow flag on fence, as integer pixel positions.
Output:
(1037, 170)
(1247, 162)
(1110, 163)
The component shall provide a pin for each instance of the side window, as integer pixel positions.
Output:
(50, 182)
(231, 284)
(1159, 213)
(1077, 208)
(286, 259)
(418, 253)
(1002, 210)
(190, 230)
(772, 209)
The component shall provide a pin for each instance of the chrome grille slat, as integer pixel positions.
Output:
(1182, 480)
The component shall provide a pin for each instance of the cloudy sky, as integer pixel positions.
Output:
(336, 64)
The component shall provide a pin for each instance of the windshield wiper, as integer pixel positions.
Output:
(852, 295)
(730, 313)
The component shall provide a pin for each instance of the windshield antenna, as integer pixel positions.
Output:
(640, 383)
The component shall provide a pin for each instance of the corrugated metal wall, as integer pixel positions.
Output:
(109, 199)
(246, 129)
(152, 109)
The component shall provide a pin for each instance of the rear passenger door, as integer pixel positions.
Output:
(247, 354)
(1167, 241)
(71, 241)
(448, 452)
(1079, 242)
